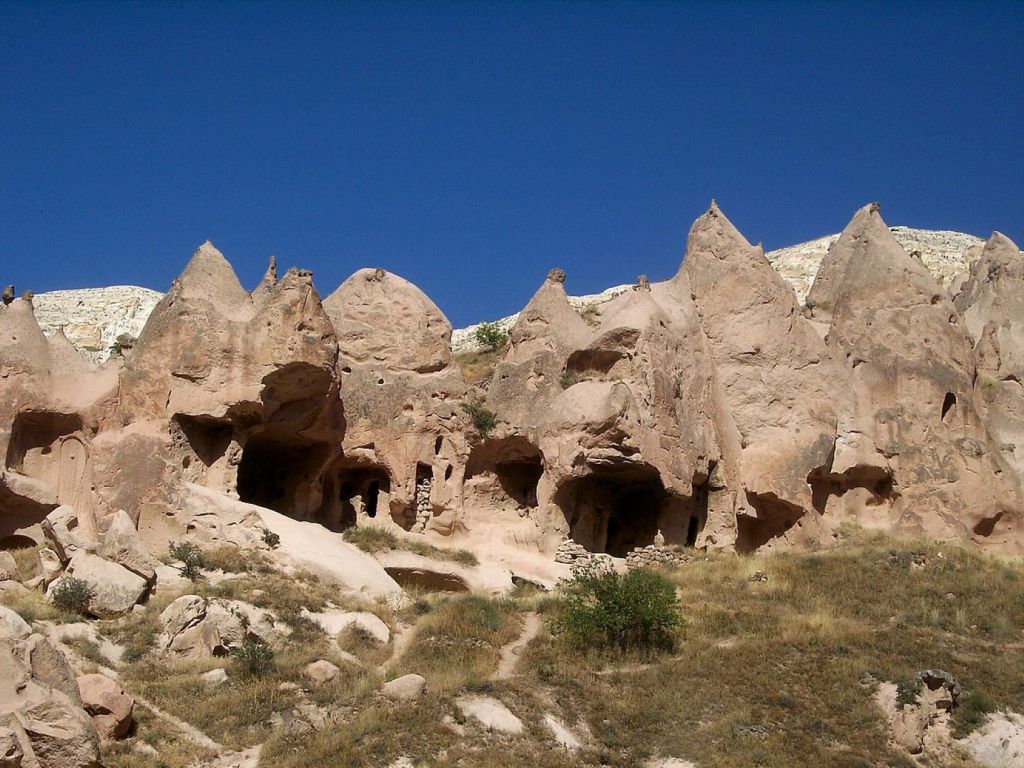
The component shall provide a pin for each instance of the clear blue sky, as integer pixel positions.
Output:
(471, 146)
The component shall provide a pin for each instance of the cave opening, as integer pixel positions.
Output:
(354, 491)
(505, 473)
(614, 510)
(282, 471)
(37, 433)
(208, 438)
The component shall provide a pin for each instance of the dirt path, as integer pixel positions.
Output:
(401, 637)
(510, 653)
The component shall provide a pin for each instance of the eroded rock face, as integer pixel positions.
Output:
(402, 393)
(913, 453)
(992, 304)
(709, 410)
(776, 378)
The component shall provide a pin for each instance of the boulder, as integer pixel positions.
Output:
(107, 703)
(62, 532)
(12, 626)
(122, 545)
(337, 621)
(215, 677)
(196, 627)
(8, 567)
(115, 589)
(50, 728)
(320, 672)
(404, 688)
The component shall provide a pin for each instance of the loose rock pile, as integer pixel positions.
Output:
(423, 486)
(570, 552)
(655, 555)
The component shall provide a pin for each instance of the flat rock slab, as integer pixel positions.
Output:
(335, 621)
(494, 715)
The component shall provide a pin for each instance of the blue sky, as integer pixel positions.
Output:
(471, 146)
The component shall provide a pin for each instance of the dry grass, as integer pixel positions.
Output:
(477, 367)
(459, 642)
(27, 560)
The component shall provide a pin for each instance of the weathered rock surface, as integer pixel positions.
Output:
(114, 588)
(40, 706)
(710, 410)
(195, 627)
(107, 703)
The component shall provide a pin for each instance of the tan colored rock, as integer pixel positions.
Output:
(992, 303)
(195, 627)
(320, 672)
(115, 589)
(12, 626)
(776, 378)
(50, 727)
(11, 754)
(8, 567)
(122, 545)
(108, 704)
(404, 688)
(913, 454)
(402, 392)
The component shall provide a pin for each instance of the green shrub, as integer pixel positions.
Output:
(465, 557)
(483, 419)
(490, 336)
(271, 539)
(370, 538)
(253, 655)
(191, 557)
(73, 595)
(568, 378)
(635, 610)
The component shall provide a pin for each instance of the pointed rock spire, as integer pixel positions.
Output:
(209, 276)
(994, 291)
(547, 322)
(267, 284)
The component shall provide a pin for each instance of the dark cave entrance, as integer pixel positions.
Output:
(208, 438)
(352, 491)
(282, 472)
(513, 465)
(614, 510)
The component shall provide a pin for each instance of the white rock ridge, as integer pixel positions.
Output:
(93, 318)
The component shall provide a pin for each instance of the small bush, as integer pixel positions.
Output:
(370, 538)
(271, 539)
(465, 557)
(635, 610)
(74, 595)
(971, 713)
(191, 557)
(490, 336)
(568, 378)
(253, 655)
(483, 419)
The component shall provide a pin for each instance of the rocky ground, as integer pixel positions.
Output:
(872, 653)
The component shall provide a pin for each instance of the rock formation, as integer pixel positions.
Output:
(708, 410)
